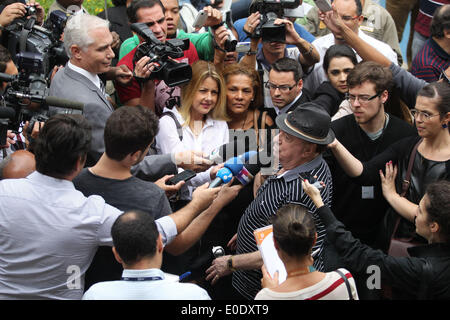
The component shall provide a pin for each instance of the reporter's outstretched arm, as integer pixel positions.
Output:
(202, 198)
(200, 224)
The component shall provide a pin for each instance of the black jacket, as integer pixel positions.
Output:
(404, 274)
(328, 98)
(305, 97)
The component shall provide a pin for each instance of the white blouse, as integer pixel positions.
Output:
(213, 134)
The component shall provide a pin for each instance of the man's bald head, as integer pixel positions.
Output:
(18, 165)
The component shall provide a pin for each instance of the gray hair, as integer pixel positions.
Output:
(77, 31)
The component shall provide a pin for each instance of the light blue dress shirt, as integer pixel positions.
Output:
(156, 286)
(49, 233)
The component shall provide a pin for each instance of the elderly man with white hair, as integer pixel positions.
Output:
(87, 41)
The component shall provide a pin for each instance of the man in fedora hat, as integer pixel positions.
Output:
(304, 135)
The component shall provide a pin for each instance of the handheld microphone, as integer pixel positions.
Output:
(246, 156)
(229, 150)
(224, 175)
(235, 165)
(250, 169)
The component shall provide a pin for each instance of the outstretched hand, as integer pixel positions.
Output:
(388, 180)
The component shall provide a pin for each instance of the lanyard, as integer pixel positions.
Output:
(141, 278)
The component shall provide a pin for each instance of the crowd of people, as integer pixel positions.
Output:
(357, 139)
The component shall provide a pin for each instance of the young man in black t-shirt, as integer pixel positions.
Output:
(365, 133)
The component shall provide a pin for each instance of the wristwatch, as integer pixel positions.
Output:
(230, 264)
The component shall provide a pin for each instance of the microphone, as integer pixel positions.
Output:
(250, 169)
(51, 101)
(229, 150)
(64, 103)
(7, 113)
(224, 175)
(245, 157)
(235, 165)
(247, 174)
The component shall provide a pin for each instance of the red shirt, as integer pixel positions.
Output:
(164, 95)
(426, 12)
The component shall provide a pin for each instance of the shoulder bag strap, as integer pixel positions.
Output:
(179, 129)
(255, 127)
(347, 284)
(406, 182)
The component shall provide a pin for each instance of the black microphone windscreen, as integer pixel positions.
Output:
(7, 113)
(64, 103)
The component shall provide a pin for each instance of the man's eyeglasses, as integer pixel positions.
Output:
(283, 88)
(416, 113)
(362, 99)
(349, 18)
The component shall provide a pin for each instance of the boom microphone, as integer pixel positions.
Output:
(7, 113)
(64, 103)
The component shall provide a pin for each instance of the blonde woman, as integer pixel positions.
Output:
(202, 118)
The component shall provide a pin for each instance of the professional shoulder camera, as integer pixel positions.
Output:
(172, 72)
(35, 50)
(271, 10)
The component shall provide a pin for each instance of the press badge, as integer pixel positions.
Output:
(367, 28)
(367, 192)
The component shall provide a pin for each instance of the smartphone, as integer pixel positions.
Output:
(242, 47)
(200, 19)
(323, 5)
(316, 183)
(182, 176)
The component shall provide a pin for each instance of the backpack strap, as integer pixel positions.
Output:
(179, 129)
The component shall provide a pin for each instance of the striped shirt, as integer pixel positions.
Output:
(425, 15)
(430, 61)
(332, 287)
(272, 195)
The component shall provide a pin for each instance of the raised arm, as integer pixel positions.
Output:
(368, 53)
(351, 165)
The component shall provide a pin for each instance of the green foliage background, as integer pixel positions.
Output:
(92, 6)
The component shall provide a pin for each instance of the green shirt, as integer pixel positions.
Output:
(201, 41)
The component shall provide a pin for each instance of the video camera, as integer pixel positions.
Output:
(23, 35)
(271, 10)
(172, 72)
(35, 50)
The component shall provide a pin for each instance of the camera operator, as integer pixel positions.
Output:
(304, 52)
(11, 10)
(150, 94)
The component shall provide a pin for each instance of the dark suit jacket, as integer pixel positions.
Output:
(305, 97)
